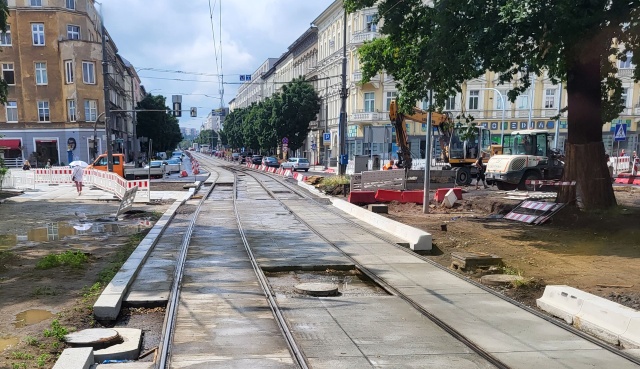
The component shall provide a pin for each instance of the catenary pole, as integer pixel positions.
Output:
(342, 168)
(427, 157)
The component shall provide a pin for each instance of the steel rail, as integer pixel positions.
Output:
(556, 322)
(262, 279)
(174, 297)
(392, 290)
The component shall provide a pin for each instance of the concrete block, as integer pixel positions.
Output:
(419, 240)
(75, 358)
(129, 349)
(631, 338)
(108, 305)
(449, 199)
(562, 301)
(604, 319)
(378, 208)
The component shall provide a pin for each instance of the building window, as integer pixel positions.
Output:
(8, 74)
(36, 3)
(523, 102)
(369, 23)
(12, 111)
(91, 110)
(89, 73)
(37, 31)
(71, 110)
(624, 97)
(550, 98)
(369, 102)
(450, 103)
(627, 63)
(474, 99)
(41, 73)
(500, 100)
(43, 111)
(68, 71)
(391, 95)
(5, 37)
(73, 32)
(71, 4)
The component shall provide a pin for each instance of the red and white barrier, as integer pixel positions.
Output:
(620, 164)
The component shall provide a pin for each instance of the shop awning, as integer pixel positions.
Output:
(10, 144)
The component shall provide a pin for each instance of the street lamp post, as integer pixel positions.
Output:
(502, 103)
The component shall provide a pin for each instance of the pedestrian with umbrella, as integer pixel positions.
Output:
(76, 175)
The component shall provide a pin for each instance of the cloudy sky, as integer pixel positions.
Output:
(176, 36)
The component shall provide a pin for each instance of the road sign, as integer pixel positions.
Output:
(326, 139)
(285, 141)
(620, 132)
(245, 77)
(314, 147)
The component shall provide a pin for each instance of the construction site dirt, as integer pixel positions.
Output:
(596, 252)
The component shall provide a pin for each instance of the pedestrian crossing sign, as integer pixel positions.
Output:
(620, 132)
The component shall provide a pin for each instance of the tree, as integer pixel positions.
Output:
(296, 106)
(438, 47)
(157, 123)
(4, 14)
(232, 128)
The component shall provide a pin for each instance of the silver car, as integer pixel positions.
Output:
(296, 164)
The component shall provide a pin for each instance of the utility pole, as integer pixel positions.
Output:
(342, 128)
(105, 78)
(135, 135)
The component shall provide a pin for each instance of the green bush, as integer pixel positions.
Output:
(335, 181)
(57, 331)
(73, 259)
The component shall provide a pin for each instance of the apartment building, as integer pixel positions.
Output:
(52, 60)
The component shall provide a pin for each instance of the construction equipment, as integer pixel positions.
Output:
(460, 144)
(443, 121)
(527, 156)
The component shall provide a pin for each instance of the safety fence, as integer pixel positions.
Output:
(278, 171)
(195, 165)
(111, 182)
(620, 164)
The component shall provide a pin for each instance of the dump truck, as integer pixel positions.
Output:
(128, 172)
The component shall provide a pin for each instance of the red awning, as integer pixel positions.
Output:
(10, 144)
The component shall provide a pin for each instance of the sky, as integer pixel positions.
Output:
(177, 36)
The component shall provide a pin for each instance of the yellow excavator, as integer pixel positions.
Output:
(443, 121)
(460, 143)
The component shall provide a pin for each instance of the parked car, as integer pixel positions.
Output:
(177, 155)
(296, 164)
(270, 161)
(243, 157)
(256, 159)
(173, 165)
(235, 156)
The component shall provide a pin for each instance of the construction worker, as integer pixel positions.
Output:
(388, 166)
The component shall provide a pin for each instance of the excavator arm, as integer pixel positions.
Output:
(442, 121)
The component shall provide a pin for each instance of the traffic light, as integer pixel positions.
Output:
(177, 109)
(194, 112)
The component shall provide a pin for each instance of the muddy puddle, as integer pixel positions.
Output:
(30, 317)
(7, 342)
(67, 230)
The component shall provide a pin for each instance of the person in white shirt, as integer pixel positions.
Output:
(77, 178)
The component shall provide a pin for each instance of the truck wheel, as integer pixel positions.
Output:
(529, 176)
(504, 186)
(463, 177)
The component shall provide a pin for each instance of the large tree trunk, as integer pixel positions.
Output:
(585, 156)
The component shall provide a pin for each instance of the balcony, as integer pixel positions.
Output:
(361, 37)
(636, 110)
(362, 117)
(357, 77)
(625, 72)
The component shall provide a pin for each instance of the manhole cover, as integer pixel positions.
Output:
(92, 337)
(317, 289)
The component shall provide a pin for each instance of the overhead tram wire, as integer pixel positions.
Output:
(213, 35)
(221, 71)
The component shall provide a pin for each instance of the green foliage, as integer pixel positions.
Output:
(32, 341)
(438, 47)
(335, 180)
(106, 275)
(19, 355)
(18, 366)
(57, 331)
(44, 291)
(42, 360)
(73, 259)
(263, 125)
(160, 126)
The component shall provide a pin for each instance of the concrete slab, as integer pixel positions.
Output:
(136, 365)
(75, 358)
(129, 349)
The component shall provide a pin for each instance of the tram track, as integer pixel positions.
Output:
(296, 352)
(473, 346)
